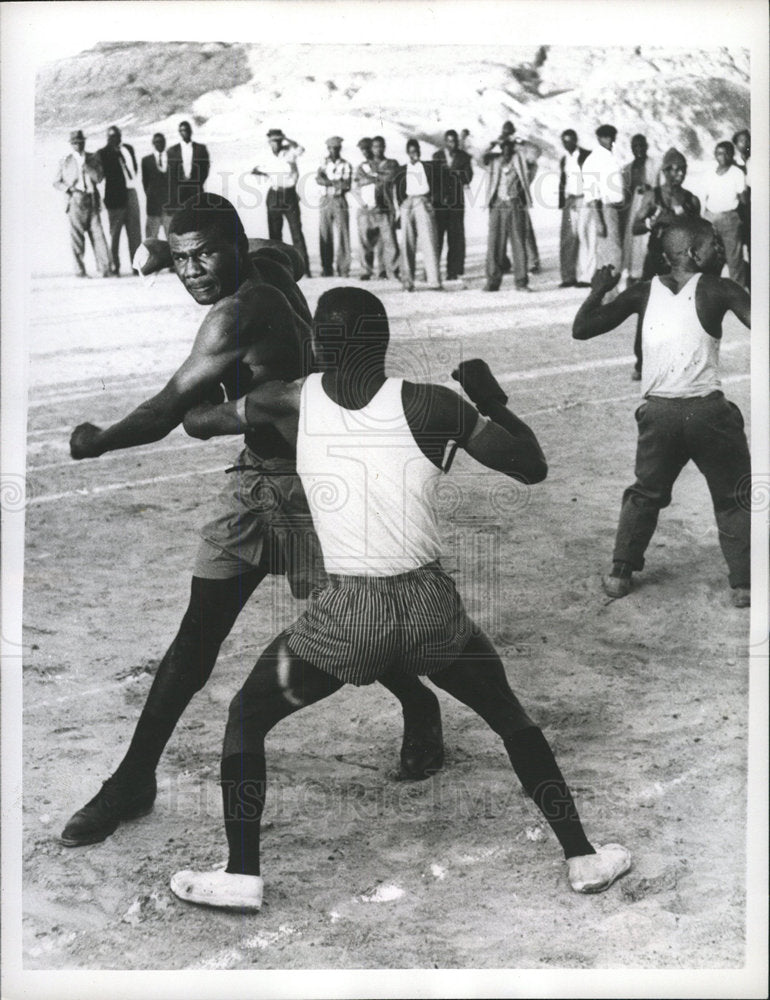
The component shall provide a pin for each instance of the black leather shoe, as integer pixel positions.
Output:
(422, 750)
(106, 811)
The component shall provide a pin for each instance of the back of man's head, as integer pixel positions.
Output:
(683, 233)
(349, 323)
(207, 212)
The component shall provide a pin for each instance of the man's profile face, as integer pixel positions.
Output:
(378, 148)
(185, 131)
(709, 251)
(78, 145)
(207, 265)
(450, 140)
(639, 148)
(159, 142)
(569, 141)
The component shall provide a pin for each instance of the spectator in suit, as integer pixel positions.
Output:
(603, 192)
(450, 215)
(78, 176)
(418, 189)
(723, 199)
(280, 165)
(335, 177)
(507, 200)
(378, 174)
(639, 178)
(120, 195)
(155, 184)
(188, 169)
(571, 202)
(529, 153)
(742, 144)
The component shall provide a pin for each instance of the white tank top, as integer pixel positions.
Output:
(680, 359)
(368, 485)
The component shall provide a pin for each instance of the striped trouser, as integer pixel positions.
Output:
(358, 627)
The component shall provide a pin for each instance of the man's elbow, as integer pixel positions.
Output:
(579, 331)
(538, 472)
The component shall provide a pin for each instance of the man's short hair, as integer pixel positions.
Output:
(158, 135)
(412, 144)
(743, 131)
(727, 146)
(570, 131)
(185, 123)
(638, 138)
(683, 231)
(607, 132)
(378, 138)
(364, 142)
(349, 320)
(451, 131)
(207, 212)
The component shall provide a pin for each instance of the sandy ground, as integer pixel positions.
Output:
(644, 700)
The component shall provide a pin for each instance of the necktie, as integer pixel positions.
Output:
(126, 168)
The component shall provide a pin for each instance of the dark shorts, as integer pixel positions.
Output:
(357, 627)
(265, 522)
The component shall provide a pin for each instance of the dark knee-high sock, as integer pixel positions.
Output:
(244, 778)
(537, 770)
(185, 669)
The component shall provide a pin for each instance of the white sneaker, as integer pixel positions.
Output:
(219, 888)
(597, 872)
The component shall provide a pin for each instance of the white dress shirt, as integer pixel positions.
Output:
(573, 175)
(416, 180)
(187, 158)
(602, 177)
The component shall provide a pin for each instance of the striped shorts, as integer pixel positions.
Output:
(358, 627)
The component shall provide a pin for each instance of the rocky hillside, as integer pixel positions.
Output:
(688, 98)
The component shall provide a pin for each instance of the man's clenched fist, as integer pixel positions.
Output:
(83, 441)
(604, 279)
(479, 383)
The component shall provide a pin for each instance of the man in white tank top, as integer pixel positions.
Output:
(369, 449)
(684, 414)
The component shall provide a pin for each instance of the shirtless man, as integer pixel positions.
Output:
(684, 414)
(259, 316)
(389, 609)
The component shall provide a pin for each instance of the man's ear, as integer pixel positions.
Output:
(694, 254)
(665, 257)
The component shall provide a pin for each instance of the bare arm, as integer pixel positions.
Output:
(220, 342)
(593, 318)
(273, 403)
(737, 300)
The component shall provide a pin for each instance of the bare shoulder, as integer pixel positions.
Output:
(438, 408)
(248, 314)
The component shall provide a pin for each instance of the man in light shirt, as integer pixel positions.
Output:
(120, 194)
(280, 165)
(418, 190)
(78, 176)
(335, 177)
(366, 198)
(723, 199)
(603, 193)
(508, 201)
(571, 251)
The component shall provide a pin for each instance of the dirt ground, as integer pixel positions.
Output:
(644, 699)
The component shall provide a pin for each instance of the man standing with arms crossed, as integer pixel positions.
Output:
(389, 609)
(684, 414)
(258, 317)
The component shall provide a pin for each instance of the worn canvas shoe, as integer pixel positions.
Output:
(616, 586)
(597, 872)
(105, 812)
(219, 888)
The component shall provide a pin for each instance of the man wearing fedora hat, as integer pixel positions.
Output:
(78, 176)
(334, 176)
(282, 199)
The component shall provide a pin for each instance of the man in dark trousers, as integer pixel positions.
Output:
(389, 608)
(570, 203)
(188, 168)
(450, 214)
(78, 175)
(335, 176)
(684, 414)
(256, 316)
(280, 166)
(508, 199)
(418, 190)
(155, 183)
(121, 198)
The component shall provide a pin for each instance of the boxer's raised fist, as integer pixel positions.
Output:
(479, 383)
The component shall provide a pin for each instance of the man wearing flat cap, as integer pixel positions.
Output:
(78, 176)
(335, 176)
(280, 165)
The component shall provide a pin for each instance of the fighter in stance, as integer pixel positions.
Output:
(684, 414)
(377, 444)
(259, 316)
